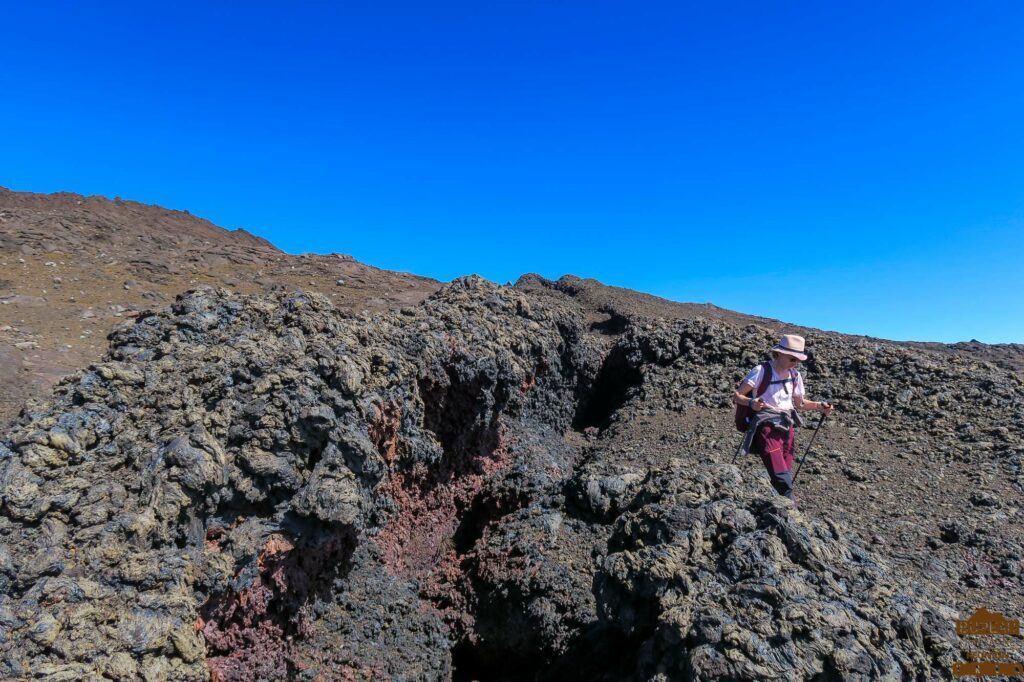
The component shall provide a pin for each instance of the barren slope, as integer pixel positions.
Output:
(74, 267)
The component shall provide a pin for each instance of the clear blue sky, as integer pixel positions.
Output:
(850, 166)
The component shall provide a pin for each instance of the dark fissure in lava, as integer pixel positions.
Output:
(609, 392)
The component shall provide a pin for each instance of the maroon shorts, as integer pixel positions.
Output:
(775, 447)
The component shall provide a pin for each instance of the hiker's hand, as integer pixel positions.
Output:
(826, 408)
(756, 404)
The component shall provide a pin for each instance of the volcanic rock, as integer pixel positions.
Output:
(270, 487)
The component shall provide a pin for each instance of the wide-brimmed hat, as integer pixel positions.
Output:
(791, 344)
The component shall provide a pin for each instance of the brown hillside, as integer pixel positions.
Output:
(75, 267)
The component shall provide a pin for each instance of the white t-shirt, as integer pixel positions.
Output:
(777, 396)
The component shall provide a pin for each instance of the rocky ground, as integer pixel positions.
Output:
(74, 267)
(499, 483)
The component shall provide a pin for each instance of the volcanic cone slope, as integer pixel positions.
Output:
(252, 488)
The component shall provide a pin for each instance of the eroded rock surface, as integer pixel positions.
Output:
(254, 488)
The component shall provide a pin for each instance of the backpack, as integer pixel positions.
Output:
(743, 412)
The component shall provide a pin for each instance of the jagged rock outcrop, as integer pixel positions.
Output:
(720, 585)
(271, 488)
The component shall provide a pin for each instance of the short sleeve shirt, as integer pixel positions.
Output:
(778, 396)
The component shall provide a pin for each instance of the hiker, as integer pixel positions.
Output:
(774, 392)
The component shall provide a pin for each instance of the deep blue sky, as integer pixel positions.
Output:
(850, 166)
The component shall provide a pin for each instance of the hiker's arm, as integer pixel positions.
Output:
(811, 406)
(741, 398)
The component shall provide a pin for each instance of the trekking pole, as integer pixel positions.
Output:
(753, 423)
(808, 450)
(738, 448)
(742, 441)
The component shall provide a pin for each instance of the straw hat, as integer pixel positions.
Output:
(791, 344)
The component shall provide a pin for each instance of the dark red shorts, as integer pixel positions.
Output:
(775, 447)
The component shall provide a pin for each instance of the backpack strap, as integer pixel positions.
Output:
(792, 377)
(766, 379)
(768, 376)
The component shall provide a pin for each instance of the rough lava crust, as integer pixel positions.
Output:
(267, 487)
